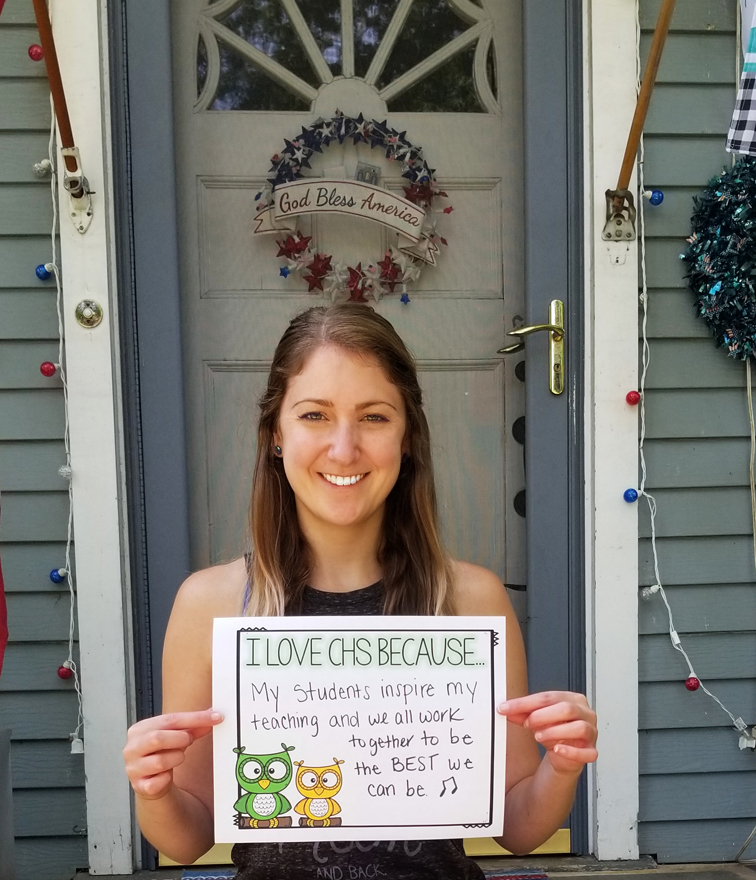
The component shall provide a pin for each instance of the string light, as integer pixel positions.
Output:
(68, 669)
(693, 681)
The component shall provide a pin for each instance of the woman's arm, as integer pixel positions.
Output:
(540, 791)
(169, 758)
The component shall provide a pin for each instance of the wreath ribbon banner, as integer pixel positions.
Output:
(317, 196)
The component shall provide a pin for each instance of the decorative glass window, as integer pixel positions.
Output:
(417, 55)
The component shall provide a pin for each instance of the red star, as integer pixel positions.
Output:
(419, 193)
(314, 282)
(448, 210)
(389, 272)
(320, 265)
(356, 284)
(291, 246)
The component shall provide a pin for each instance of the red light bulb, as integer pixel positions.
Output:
(633, 398)
(36, 53)
(65, 672)
(48, 369)
(692, 683)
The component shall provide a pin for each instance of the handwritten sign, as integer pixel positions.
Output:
(316, 196)
(355, 728)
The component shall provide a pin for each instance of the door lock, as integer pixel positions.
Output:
(555, 329)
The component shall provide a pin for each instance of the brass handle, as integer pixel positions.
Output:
(555, 329)
(511, 349)
(558, 332)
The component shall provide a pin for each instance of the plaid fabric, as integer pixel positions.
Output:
(742, 135)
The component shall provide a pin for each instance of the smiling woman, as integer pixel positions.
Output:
(343, 520)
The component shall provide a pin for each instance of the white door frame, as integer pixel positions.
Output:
(93, 372)
(97, 440)
(611, 432)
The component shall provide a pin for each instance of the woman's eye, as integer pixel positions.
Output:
(375, 417)
(312, 416)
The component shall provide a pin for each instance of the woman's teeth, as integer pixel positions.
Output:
(343, 481)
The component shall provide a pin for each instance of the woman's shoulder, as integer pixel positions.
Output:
(478, 590)
(213, 592)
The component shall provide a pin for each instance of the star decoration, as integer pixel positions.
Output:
(390, 272)
(284, 272)
(404, 299)
(320, 265)
(290, 247)
(356, 284)
(448, 209)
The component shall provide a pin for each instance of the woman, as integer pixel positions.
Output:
(343, 520)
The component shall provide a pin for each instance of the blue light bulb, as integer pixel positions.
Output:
(58, 575)
(656, 197)
(42, 272)
(630, 495)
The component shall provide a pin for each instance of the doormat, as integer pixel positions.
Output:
(208, 874)
(515, 875)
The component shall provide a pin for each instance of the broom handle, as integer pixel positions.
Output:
(644, 96)
(56, 83)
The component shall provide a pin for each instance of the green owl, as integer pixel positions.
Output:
(264, 777)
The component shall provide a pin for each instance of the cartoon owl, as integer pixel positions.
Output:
(318, 785)
(264, 777)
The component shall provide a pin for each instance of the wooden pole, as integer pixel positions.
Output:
(644, 97)
(56, 83)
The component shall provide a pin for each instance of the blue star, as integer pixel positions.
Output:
(284, 271)
(404, 298)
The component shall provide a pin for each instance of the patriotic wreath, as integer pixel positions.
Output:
(400, 266)
(721, 257)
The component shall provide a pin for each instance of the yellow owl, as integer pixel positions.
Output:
(318, 785)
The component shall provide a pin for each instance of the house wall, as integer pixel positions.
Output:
(38, 707)
(697, 799)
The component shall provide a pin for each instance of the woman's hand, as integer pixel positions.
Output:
(562, 722)
(155, 746)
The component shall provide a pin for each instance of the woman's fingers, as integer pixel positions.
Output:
(580, 732)
(579, 755)
(538, 711)
(203, 720)
(155, 746)
(153, 787)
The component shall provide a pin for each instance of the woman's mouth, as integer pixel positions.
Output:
(336, 480)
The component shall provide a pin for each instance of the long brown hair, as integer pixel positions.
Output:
(416, 569)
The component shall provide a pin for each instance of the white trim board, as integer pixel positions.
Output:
(611, 436)
(96, 442)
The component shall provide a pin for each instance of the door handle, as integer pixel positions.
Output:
(555, 329)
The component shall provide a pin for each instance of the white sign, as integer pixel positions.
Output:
(357, 728)
(316, 196)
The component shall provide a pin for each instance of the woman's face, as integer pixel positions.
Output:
(342, 432)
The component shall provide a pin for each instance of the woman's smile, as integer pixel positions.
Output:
(336, 480)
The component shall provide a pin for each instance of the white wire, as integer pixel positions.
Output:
(66, 439)
(738, 723)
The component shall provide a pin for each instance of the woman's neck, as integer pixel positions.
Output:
(344, 558)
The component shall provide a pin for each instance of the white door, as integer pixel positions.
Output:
(249, 74)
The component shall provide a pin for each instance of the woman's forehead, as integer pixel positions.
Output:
(330, 371)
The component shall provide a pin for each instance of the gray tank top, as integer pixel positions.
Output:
(353, 860)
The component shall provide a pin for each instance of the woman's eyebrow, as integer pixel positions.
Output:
(375, 403)
(328, 403)
(314, 400)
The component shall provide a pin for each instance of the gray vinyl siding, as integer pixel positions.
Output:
(40, 709)
(697, 789)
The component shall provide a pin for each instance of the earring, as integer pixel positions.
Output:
(278, 451)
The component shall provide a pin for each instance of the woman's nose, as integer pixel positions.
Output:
(344, 446)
